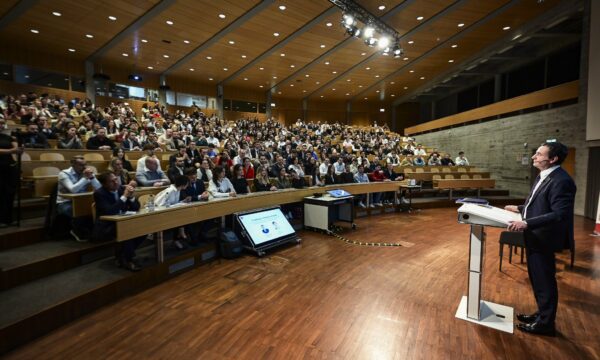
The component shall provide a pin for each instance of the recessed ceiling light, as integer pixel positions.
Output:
(322, 46)
(322, 96)
(166, 56)
(125, 54)
(333, 89)
(420, 18)
(35, 31)
(377, 91)
(422, 78)
(89, 36)
(244, 56)
(360, 86)
(329, 24)
(381, 7)
(393, 95)
(303, 91)
(326, 62)
(454, 46)
(112, 18)
(461, 25)
(150, 67)
(411, 71)
(411, 42)
(307, 75)
(366, 98)
(348, 79)
(282, 7)
(71, 50)
(26, 76)
(186, 41)
(506, 28)
(192, 69)
(334, 72)
(261, 68)
(209, 58)
(376, 76)
(260, 86)
(245, 79)
(56, 13)
(292, 66)
(363, 53)
(274, 77)
(169, 22)
(318, 82)
(393, 82)
(144, 40)
(347, 94)
(210, 79)
(282, 54)
(381, 110)
(405, 59)
(279, 92)
(225, 69)
(231, 42)
(222, 16)
(291, 85)
(406, 88)
(450, 61)
(275, 34)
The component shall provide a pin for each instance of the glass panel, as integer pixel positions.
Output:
(171, 97)
(6, 72)
(26, 75)
(262, 108)
(77, 83)
(189, 100)
(227, 104)
(243, 106)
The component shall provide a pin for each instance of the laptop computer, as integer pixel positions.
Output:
(338, 193)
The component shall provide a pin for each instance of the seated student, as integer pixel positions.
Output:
(347, 177)
(220, 186)
(324, 167)
(407, 161)
(283, 180)
(176, 169)
(204, 173)
(262, 183)
(296, 166)
(119, 154)
(70, 140)
(33, 139)
(377, 176)
(248, 169)
(447, 161)
(196, 191)
(172, 196)
(112, 199)
(100, 141)
(391, 175)
(297, 180)
(434, 160)
(240, 184)
(141, 164)
(152, 176)
(330, 178)
(361, 177)
(74, 180)
(461, 160)
(418, 161)
(123, 177)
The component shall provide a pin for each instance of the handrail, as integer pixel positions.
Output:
(550, 95)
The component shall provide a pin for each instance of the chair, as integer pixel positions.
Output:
(436, 177)
(434, 170)
(449, 177)
(94, 212)
(408, 170)
(45, 171)
(511, 238)
(52, 157)
(24, 157)
(446, 169)
(419, 170)
(462, 169)
(477, 177)
(165, 156)
(474, 169)
(465, 177)
(93, 157)
(143, 200)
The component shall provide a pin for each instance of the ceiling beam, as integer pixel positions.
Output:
(529, 28)
(414, 30)
(221, 34)
(451, 39)
(16, 11)
(325, 14)
(339, 46)
(131, 28)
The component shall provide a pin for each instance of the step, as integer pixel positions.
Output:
(40, 306)
(31, 231)
(27, 263)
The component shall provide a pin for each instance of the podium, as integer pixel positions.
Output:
(471, 307)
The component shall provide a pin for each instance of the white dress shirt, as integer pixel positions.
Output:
(543, 175)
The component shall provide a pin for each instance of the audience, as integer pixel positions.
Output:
(461, 160)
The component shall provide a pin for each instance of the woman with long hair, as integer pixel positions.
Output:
(240, 184)
(220, 186)
(262, 181)
(118, 153)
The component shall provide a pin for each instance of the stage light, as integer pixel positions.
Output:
(371, 41)
(135, 77)
(348, 19)
(369, 31)
(353, 31)
(383, 42)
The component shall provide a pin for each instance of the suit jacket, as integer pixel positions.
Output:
(550, 213)
(193, 192)
(107, 204)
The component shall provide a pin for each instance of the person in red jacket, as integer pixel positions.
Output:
(377, 176)
(248, 169)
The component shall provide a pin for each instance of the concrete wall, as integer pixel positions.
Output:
(498, 145)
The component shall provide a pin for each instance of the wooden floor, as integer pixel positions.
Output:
(328, 299)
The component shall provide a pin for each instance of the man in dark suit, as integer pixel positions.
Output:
(548, 227)
(112, 199)
(197, 192)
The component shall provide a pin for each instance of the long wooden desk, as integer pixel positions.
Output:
(107, 154)
(82, 202)
(464, 184)
(144, 222)
(428, 176)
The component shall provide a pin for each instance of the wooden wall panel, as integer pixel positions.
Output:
(30, 56)
(9, 87)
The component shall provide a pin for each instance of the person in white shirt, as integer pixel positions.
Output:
(211, 139)
(461, 160)
(166, 138)
(393, 158)
(361, 177)
(141, 164)
(323, 167)
(239, 159)
(339, 166)
(171, 196)
(220, 186)
(419, 151)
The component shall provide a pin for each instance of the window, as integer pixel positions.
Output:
(6, 72)
(189, 100)
(26, 75)
(77, 83)
(171, 97)
(243, 106)
(227, 104)
(262, 108)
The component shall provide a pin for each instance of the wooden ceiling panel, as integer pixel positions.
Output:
(6, 6)
(372, 6)
(78, 18)
(406, 20)
(182, 37)
(255, 37)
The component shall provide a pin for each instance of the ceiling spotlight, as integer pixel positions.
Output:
(261, 68)
(144, 40)
(276, 34)
(353, 30)
(225, 69)
(506, 28)
(454, 46)
(35, 31)
(56, 13)
(210, 79)
(322, 46)
(411, 42)
(186, 41)
(169, 22)
(192, 69)
(71, 50)
(371, 41)
(450, 61)
(282, 54)
(166, 56)
(282, 7)
(112, 18)
(125, 54)
(222, 16)
(231, 42)
(397, 51)
(419, 18)
(348, 20)
(383, 42)
(329, 24)
(244, 56)
(150, 67)
(381, 7)
(369, 31)
(135, 77)
(461, 25)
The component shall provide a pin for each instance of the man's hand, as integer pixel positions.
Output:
(128, 192)
(158, 183)
(517, 226)
(233, 194)
(512, 208)
(88, 173)
(187, 199)
(204, 195)
(133, 183)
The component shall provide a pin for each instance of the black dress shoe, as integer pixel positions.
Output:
(527, 319)
(129, 265)
(537, 329)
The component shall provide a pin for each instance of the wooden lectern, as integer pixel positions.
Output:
(471, 307)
